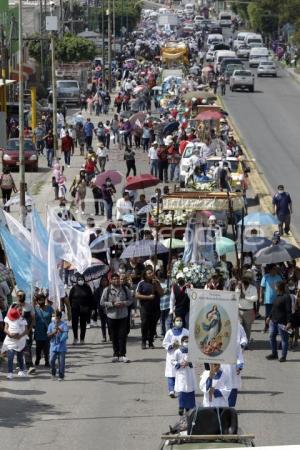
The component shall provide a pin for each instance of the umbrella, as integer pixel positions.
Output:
(259, 218)
(199, 94)
(170, 128)
(145, 209)
(255, 243)
(176, 243)
(224, 245)
(143, 248)
(128, 218)
(16, 200)
(96, 271)
(105, 241)
(138, 117)
(138, 89)
(209, 115)
(277, 253)
(142, 181)
(114, 175)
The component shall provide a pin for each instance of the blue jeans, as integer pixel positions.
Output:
(174, 171)
(165, 322)
(60, 356)
(50, 154)
(10, 360)
(171, 384)
(275, 329)
(67, 156)
(154, 167)
(268, 309)
(232, 398)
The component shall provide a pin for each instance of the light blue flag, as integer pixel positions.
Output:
(39, 237)
(23, 263)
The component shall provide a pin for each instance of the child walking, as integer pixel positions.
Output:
(185, 379)
(58, 335)
(15, 340)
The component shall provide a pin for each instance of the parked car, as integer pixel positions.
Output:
(11, 158)
(267, 68)
(242, 79)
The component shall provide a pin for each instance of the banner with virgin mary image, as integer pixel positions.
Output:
(213, 326)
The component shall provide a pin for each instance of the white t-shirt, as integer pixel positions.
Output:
(15, 326)
(152, 153)
(123, 207)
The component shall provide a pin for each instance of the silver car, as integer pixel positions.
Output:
(267, 68)
(242, 79)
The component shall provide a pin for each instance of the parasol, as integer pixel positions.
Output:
(142, 181)
(143, 248)
(114, 175)
(209, 115)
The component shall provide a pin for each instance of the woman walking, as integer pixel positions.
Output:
(81, 301)
(7, 185)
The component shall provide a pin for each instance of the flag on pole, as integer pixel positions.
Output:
(56, 286)
(69, 244)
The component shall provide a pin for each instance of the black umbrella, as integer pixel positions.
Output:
(254, 244)
(170, 128)
(143, 248)
(277, 253)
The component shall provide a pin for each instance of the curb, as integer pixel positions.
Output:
(258, 181)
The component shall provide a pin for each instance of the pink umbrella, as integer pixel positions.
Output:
(138, 89)
(114, 175)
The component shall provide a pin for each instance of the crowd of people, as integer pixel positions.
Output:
(147, 286)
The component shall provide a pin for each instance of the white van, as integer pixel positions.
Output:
(240, 39)
(254, 40)
(220, 55)
(189, 9)
(257, 54)
(225, 19)
(213, 39)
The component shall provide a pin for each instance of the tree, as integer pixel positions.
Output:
(67, 49)
(74, 49)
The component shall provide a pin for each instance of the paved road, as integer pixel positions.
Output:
(269, 123)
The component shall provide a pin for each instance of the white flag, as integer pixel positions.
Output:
(56, 286)
(17, 229)
(70, 245)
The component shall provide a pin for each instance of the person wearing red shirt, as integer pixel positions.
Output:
(163, 164)
(90, 168)
(67, 148)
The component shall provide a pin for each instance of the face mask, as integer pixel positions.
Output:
(178, 324)
(185, 344)
(80, 282)
(280, 192)
(292, 288)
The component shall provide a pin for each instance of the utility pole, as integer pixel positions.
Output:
(52, 27)
(42, 42)
(103, 42)
(109, 43)
(114, 25)
(21, 118)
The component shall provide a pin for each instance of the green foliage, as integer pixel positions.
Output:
(74, 49)
(67, 49)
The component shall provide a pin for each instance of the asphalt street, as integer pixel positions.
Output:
(268, 121)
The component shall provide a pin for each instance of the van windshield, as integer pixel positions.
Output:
(67, 84)
(225, 17)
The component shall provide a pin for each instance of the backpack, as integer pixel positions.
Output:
(6, 181)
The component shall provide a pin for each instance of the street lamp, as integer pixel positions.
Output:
(52, 25)
(21, 118)
(108, 13)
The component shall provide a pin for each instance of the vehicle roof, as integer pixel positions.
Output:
(203, 445)
(219, 158)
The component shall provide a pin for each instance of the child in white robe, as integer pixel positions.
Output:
(214, 384)
(185, 379)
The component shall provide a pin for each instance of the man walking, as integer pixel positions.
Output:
(88, 129)
(67, 147)
(282, 208)
(116, 299)
(102, 153)
(153, 159)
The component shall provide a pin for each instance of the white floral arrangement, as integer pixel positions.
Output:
(195, 274)
(206, 186)
(179, 218)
